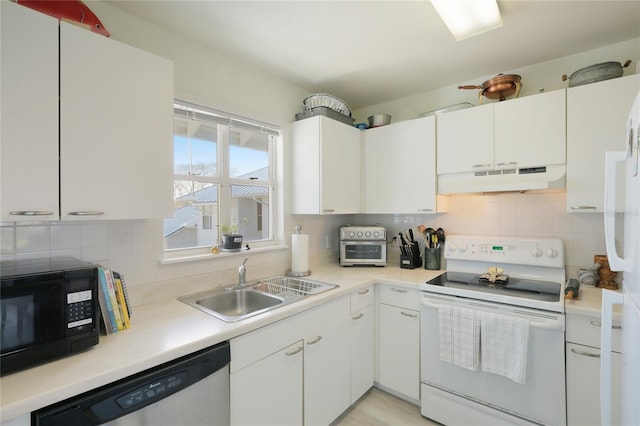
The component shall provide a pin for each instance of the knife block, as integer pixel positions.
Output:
(413, 260)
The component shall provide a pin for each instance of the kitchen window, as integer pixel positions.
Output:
(224, 168)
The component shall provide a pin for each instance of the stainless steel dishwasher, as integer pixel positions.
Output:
(192, 390)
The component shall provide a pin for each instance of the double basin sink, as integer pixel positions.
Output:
(236, 303)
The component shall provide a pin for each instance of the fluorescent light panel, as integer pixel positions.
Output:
(468, 18)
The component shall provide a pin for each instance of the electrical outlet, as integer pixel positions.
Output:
(327, 242)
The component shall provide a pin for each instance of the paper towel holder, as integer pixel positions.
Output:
(291, 273)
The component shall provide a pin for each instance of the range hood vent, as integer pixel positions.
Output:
(503, 180)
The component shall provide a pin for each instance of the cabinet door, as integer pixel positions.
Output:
(530, 131)
(465, 140)
(325, 167)
(269, 392)
(596, 122)
(29, 120)
(583, 385)
(116, 128)
(362, 352)
(399, 351)
(340, 167)
(399, 164)
(327, 371)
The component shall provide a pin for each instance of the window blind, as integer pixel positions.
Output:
(209, 115)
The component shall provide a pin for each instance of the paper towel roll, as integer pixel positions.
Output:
(299, 253)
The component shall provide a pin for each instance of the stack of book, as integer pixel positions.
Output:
(114, 301)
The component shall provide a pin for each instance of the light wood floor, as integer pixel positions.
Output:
(378, 408)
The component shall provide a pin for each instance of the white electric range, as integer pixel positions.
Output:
(492, 333)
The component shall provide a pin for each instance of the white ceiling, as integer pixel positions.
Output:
(367, 52)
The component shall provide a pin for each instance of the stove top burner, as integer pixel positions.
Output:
(513, 287)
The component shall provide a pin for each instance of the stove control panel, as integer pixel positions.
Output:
(547, 252)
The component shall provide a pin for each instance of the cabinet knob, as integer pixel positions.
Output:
(31, 213)
(583, 207)
(86, 213)
(295, 351)
(357, 317)
(577, 352)
(313, 342)
(599, 324)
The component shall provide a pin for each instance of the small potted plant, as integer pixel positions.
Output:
(231, 237)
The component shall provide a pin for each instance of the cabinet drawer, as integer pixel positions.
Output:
(361, 299)
(585, 330)
(253, 346)
(400, 296)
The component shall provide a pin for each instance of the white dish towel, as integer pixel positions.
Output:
(459, 336)
(504, 345)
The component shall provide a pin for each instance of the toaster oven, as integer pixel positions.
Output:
(363, 245)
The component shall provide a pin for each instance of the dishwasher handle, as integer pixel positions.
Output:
(132, 393)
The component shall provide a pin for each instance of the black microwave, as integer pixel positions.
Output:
(49, 308)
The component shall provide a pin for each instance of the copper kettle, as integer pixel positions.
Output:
(499, 87)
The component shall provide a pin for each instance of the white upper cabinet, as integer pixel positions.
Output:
(596, 122)
(399, 167)
(465, 140)
(519, 133)
(116, 128)
(29, 120)
(530, 131)
(93, 140)
(325, 167)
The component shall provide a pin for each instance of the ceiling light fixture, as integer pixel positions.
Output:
(468, 18)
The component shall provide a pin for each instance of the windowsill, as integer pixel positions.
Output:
(221, 255)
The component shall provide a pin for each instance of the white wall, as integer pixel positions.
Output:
(205, 76)
(545, 76)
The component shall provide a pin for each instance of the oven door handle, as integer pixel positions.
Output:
(551, 323)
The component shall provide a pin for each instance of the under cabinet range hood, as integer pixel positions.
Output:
(503, 180)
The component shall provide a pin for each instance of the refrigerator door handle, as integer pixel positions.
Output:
(609, 298)
(612, 159)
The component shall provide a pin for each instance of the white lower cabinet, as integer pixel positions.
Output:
(326, 372)
(583, 371)
(399, 341)
(362, 342)
(269, 391)
(275, 382)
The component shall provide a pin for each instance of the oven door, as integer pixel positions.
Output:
(452, 394)
(363, 253)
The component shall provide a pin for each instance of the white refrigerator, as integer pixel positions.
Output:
(628, 262)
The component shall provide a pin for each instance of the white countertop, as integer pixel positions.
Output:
(165, 330)
(589, 303)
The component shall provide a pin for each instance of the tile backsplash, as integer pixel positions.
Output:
(541, 215)
(135, 247)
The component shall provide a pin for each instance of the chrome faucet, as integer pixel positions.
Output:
(242, 272)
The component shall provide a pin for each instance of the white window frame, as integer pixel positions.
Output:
(224, 182)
